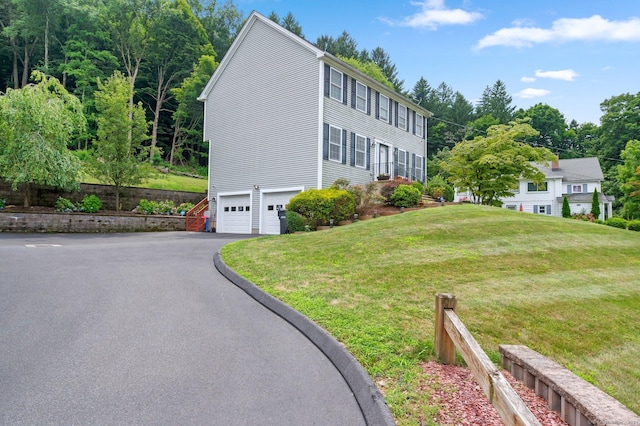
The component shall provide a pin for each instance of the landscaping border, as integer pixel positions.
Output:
(372, 403)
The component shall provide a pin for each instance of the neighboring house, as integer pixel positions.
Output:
(575, 178)
(283, 116)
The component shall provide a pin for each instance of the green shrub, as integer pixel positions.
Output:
(405, 196)
(147, 207)
(387, 191)
(634, 225)
(90, 204)
(418, 185)
(438, 187)
(318, 206)
(364, 197)
(166, 207)
(566, 209)
(183, 208)
(295, 221)
(595, 204)
(616, 222)
(65, 205)
(3, 203)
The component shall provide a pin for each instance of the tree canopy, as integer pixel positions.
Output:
(490, 167)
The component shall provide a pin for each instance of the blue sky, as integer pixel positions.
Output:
(569, 54)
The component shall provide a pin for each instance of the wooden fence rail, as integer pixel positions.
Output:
(451, 334)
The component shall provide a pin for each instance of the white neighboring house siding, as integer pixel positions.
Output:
(532, 200)
(262, 115)
(353, 120)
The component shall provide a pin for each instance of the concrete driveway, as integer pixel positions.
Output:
(142, 329)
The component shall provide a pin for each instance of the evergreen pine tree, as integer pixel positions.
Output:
(595, 205)
(566, 210)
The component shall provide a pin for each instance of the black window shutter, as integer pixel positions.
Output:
(325, 141)
(368, 153)
(413, 167)
(423, 178)
(345, 80)
(327, 79)
(368, 100)
(353, 93)
(406, 164)
(344, 146)
(377, 105)
(353, 149)
(396, 114)
(395, 161)
(390, 114)
(413, 113)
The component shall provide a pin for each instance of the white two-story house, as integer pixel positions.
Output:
(575, 178)
(282, 116)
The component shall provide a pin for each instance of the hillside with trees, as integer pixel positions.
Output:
(167, 49)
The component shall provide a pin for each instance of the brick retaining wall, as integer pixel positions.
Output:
(84, 222)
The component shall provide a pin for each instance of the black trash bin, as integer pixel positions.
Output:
(282, 215)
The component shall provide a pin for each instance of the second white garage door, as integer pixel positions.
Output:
(234, 214)
(269, 222)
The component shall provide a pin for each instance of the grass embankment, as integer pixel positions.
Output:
(169, 182)
(568, 289)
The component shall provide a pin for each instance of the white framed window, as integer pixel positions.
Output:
(402, 163)
(511, 207)
(532, 187)
(576, 188)
(419, 170)
(384, 108)
(542, 209)
(402, 117)
(419, 125)
(361, 97)
(361, 151)
(335, 89)
(335, 143)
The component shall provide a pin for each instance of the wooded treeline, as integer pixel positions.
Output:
(168, 49)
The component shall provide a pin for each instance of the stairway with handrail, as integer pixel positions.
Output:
(195, 218)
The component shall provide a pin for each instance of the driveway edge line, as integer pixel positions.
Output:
(371, 402)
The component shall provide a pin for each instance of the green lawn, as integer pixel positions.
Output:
(168, 182)
(568, 289)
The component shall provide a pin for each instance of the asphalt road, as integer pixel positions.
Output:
(142, 329)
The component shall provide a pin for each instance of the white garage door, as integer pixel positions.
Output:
(269, 214)
(234, 216)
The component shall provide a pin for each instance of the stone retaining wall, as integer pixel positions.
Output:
(129, 196)
(84, 222)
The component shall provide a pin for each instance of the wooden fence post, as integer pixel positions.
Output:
(445, 348)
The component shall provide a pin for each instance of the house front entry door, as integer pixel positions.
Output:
(383, 160)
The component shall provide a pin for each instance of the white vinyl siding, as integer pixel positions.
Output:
(361, 151)
(361, 97)
(384, 108)
(335, 90)
(335, 143)
(402, 117)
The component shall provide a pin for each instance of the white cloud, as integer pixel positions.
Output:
(595, 28)
(567, 75)
(433, 14)
(608, 68)
(526, 79)
(532, 93)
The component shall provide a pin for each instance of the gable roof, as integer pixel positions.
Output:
(320, 54)
(575, 170)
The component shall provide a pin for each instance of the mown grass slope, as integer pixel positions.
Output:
(568, 289)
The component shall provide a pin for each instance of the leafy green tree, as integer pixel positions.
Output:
(496, 101)
(368, 68)
(37, 123)
(121, 132)
(177, 41)
(595, 204)
(628, 179)
(490, 167)
(619, 124)
(551, 126)
(189, 114)
(566, 210)
(383, 61)
(221, 22)
(435, 163)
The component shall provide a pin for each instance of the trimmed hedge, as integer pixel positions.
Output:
(617, 222)
(319, 206)
(634, 225)
(406, 196)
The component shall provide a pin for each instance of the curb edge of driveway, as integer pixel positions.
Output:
(371, 402)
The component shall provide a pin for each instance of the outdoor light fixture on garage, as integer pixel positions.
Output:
(256, 186)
